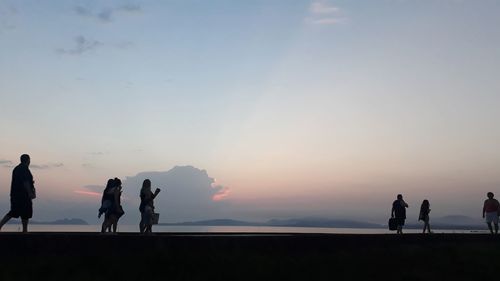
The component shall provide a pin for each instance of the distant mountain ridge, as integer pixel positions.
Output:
(447, 222)
(298, 222)
(65, 221)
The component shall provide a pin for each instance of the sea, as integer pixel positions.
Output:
(224, 229)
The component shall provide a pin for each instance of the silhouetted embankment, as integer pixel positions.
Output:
(194, 256)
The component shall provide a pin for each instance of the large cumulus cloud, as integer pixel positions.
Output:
(187, 193)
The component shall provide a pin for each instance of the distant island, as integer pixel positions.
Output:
(65, 221)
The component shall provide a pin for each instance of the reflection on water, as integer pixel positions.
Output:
(218, 229)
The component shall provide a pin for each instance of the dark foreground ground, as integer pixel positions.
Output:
(87, 256)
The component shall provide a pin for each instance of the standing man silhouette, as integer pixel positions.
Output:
(22, 192)
(491, 209)
(399, 212)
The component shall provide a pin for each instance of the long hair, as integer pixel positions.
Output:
(110, 184)
(424, 208)
(145, 184)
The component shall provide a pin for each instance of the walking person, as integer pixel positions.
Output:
(117, 210)
(114, 210)
(22, 192)
(399, 212)
(147, 206)
(424, 215)
(491, 209)
(106, 205)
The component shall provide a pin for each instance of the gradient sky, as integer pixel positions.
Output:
(297, 108)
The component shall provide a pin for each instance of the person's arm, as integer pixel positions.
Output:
(484, 208)
(117, 198)
(404, 204)
(157, 191)
(392, 211)
(29, 189)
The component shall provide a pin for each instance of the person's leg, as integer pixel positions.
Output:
(5, 219)
(428, 227)
(114, 223)
(104, 226)
(425, 226)
(490, 227)
(149, 228)
(25, 225)
(141, 223)
(496, 228)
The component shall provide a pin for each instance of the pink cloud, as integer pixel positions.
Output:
(88, 193)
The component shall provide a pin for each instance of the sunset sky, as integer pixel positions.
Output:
(292, 108)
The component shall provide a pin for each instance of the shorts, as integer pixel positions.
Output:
(21, 208)
(400, 221)
(491, 217)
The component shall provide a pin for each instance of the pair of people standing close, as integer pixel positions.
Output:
(399, 213)
(111, 205)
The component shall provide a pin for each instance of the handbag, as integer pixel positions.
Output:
(393, 224)
(156, 218)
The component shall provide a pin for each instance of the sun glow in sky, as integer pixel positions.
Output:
(324, 108)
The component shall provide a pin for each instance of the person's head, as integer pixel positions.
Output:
(490, 195)
(25, 159)
(425, 203)
(400, 197)
(110, 184)
(146, 183)
(117, 182)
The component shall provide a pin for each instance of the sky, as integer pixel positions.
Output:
(253, 109)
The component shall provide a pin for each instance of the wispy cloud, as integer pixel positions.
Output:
(322, 7)
(88, 193)
(326, 21)
(46, 166)
(6, 163)
(106, 15)
(131, 8)
(82, 45)
(7, 15)
(324, 13)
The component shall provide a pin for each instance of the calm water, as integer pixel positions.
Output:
(218, 229)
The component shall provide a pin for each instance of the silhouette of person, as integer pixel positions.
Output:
(491, 209)
(424, 215)
(22, 192)
(399, 212)
(115, 211)
(147, 206)
(107, 204)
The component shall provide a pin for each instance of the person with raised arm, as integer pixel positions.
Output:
(147, 206)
